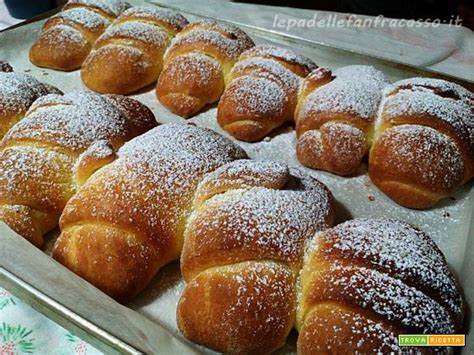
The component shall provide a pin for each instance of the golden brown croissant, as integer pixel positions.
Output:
(51, 152)
(197, 63)
(67, 38)
(423, 147)
(335, 116)
(18, 91)
(262, 91)
(128, 220)
(366, 281)
(359, 285)
(133, 47)
(243, 250)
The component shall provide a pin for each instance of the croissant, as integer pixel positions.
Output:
(134, 47)
(18, 91)
(67, 38)
(423, 147)
(243, 249)
(51, 152)
(335, 115)
(196, 65)
(127, 220)
(262, 91)
(366, 281)
(350, 289)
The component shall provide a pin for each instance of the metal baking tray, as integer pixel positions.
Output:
(147, 325)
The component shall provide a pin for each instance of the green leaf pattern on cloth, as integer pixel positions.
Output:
(25, 331)
(15, 340)
(6, 299)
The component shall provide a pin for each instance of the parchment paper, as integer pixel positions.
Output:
(449, 223)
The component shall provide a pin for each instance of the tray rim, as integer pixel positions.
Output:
(96, 335)
(279, 36)
(62, 315)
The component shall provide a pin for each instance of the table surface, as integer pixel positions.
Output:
(443, 48)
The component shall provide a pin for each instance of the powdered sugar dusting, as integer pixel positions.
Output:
(73, 121)
(396, 248)
(258, 96)
(439, 99)
(112, 7)
(388, 297)
(284, 54)
(229, 40)
(268, 223)
(245, 174)
(23, 171)
(60, 35)
(18, 91)
(359, 325)
(224, 44)
(202, 67)
(85, 17)
(356, 89)
(136, 30)
(268, 68)
(152, 183)
(173, 19)
(424, 152)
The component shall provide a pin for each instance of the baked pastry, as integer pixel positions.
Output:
(196, 65)
(354, 289)
(67, 38)
(243, 250)
(5, 67)
(51, 152)
(335, 116)
(423, 147)
(128, 220)
(133, 47)
(17, 92)
(262, 92)
(366, 281)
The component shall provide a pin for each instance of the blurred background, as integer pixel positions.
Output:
(409, 9)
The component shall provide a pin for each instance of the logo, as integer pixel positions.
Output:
(431, 340)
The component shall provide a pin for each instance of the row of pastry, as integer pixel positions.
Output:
(417, 133)
(255, 239)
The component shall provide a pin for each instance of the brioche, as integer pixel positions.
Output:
(67, 38)
(366, 281)
(262, 92)
(351, 289)
(423, 147)
(134, 47)
(18, 91)
(243, 249)
(127, 221)
(196, 65)
(335, 115)
(51, 152)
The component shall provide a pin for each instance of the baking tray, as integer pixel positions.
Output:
(148, 324)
